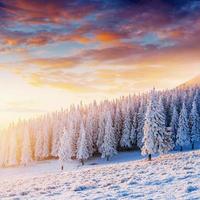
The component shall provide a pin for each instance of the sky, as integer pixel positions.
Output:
(55, 53)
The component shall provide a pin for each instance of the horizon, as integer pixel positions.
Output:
(92, 50)
(41, 114)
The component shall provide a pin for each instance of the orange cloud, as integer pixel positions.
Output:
(54, 63)
(39, 12)
(74, 37)
(176, 33)
(108, 37)
(58, 80)
(38, 40)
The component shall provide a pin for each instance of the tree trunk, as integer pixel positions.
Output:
(181, 149)
(82, 161)
(193, 146)
(149, 157)
(107, 158)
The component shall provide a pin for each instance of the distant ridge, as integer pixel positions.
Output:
(193, 82)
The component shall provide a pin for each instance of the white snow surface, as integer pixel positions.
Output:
(126, 176)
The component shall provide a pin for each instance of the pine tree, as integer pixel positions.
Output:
(89, 133)
(174, 123)
(156, 139)
(26, 148)
(82, 152)
(118, 125)
(12, 160)
(65, 152)
(109, 143)
(3, 149)
(56, 132)
(194, 125)
(75, 122)
(164, 137)
(38, 142)
(133, 135)
(126, 132)
(101, 131)
(150, 127)
(141, 120)
(46, 138)
(183, 128)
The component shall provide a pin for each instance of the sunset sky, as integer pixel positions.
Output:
(58, 52)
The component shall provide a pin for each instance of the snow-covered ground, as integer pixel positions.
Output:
(127, 176)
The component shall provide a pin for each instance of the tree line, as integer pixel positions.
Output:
(154, 122)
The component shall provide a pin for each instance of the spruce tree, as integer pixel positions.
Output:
(82, 151)
(109, 143)
(141, 120)
(156, 139)
(101, 130)
(164, 137)
(118, 125)
(89, 132)
(126, 132)
(174, 123)
(38, 142)
(150, 127)
(183, 128)
(26, 155)
(12, 160)
(65, 148)
(194, 125)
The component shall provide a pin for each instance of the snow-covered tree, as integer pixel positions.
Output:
(126, 132)
(101, 130)
(133, 135)
(140, 128)
(128, 119)
(82, 152)
(65, 152)
(164, 137)
(156, 139)
(182, 137)
(194, 125)
(174, 123)
(26, 156)
(46, 140)
(150, 127)
(38, 143)
(90, 132)
(12, 160)
(109, 143)
(3, 149)
(75, 122)
(56, 132)
(118, 125)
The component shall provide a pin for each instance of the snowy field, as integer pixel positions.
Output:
(171, 176)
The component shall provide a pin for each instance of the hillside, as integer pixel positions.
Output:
(171, 176)
(192, 82)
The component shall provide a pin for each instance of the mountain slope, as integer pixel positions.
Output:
(192, 82)
(172, 176)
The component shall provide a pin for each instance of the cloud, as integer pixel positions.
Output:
(112, 53)
(103, 35)
(108, 37)
(69, 81)
(41, 12)
(53, 63)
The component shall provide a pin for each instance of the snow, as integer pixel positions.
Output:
(126, 176)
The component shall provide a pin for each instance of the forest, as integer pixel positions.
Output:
(153, 122)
